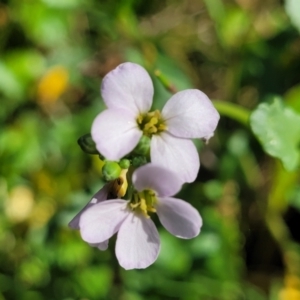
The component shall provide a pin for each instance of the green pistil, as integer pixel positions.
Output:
(143, 202)
(151, 123)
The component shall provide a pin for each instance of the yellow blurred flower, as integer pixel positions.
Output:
(291, 289)
(19, 204)
(289, 294)
(53, 84)
(292, 281)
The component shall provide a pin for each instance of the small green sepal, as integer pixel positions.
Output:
(87, 144)
(124, 163)
(143, 146)
(138, 161)
(111, 170)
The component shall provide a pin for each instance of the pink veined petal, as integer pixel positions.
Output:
(115, 133)
(190, 114)
(175, 154)
(99, 222)
(100, 196)
(179, 217)
(161, 180)
(101, 246)
(138, 243)
(129, 87)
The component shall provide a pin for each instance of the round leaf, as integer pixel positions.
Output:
(277, 127)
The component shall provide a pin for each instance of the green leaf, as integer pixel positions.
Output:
(292, 97)
(95, 281)
(277, 127)
(294, 197)
(173, 258)
(10, 86)
(234, 27)
(292, 8)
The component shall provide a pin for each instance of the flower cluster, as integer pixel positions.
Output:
(148, 155)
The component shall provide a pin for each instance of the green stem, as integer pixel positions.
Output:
(233, 111)
(168, 85)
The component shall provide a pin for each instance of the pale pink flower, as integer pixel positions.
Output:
(138, 242)
(100, 196)
(127, 92)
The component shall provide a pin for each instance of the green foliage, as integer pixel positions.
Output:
(278, 129)
(292, 8)
(53, 56)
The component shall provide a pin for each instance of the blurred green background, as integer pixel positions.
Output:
(53, 55)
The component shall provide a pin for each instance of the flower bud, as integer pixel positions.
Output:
(138, 161)
(111, 170)
(120, 185)
(124, 163)
(143, 147)
(87, 144)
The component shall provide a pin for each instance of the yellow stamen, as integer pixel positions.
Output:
(143, 207)
(143, 202)
(140, 119)
(151, 123)
(151, 209)
(162, 127)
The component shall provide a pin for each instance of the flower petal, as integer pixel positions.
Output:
(115, 133)
(190, 114)
(129, 87)
(161, 180)
(100, 196)
(99, 222)
(179, 217)
(175, 154)
(101, 246)
(138, 243)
